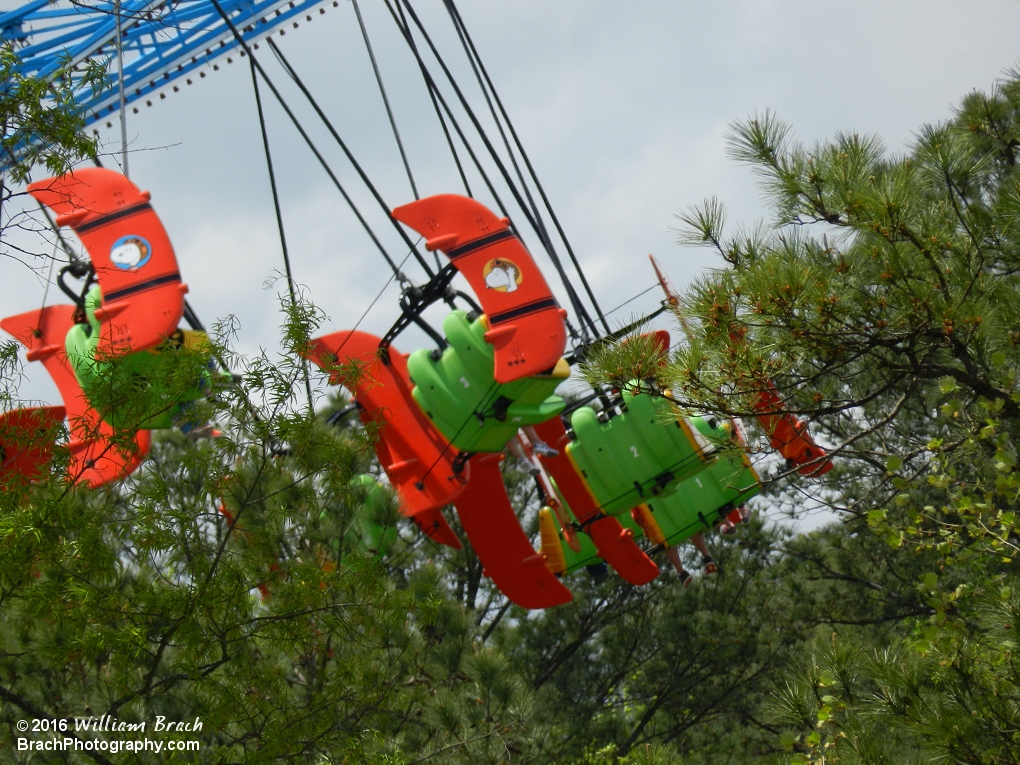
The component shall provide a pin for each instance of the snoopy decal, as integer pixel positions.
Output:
(130, 252)
(528, 329)
(502, 275)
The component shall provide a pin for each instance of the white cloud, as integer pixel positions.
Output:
(623, 108)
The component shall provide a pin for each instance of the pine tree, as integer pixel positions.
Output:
(223, 581)
(882, 303)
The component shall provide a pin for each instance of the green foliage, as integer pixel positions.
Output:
(882, 302)
(42, 123)
(639, 357)
(213, 583)
(663, 664)
(227, 578)
(940, 695)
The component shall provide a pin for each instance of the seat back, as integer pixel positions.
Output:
(460, 395)
(527, 324)
(644, 451)
(130, 251)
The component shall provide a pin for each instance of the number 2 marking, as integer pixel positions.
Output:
(633, 451)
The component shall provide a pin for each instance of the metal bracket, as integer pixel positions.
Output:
(413, 303)
(79, 270)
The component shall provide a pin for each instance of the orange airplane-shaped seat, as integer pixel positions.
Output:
(98, 456)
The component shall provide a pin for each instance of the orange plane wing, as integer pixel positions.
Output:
(528, 330)
(143, 296)
(502, 546)
(415, 456)
(95, 458)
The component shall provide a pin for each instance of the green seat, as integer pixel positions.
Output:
(459, 394)
(588, 555)
(372, 528)
(135, 391)
(644, 451)
(702, 501)
(696, 504)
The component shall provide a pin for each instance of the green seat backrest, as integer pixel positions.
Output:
(697, 504)
(643, 452)
(588, 555)
(460, 395)
(81, 342)
(127, 389)
(703, 500)
(373, 529)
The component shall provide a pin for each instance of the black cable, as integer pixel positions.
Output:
(49, 280)
(492, 111)
(433, 88)
(272, 184)
(543, 236)
(531, 170)
(307, 139)
(402, 25)
(631, 300)
(539, 224)
(370, 306)
(449, 141)
(541, 229)
(347, 152)
(331, 174)
(438, 96)
(72, 256)
(192, 318)
(580, 353)
(279, 218)
(470, 113)
(475, 61)
(386, 101)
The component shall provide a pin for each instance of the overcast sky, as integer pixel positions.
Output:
(623, 107)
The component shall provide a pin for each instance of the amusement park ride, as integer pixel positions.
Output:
(632, 468)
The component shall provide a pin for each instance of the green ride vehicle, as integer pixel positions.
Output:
(696, 504)
(636, 451)
(143, 390)
(703, 501)
(458, 392)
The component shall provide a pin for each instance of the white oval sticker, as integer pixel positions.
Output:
(130, 252)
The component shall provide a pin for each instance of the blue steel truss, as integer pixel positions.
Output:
(162, 40)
